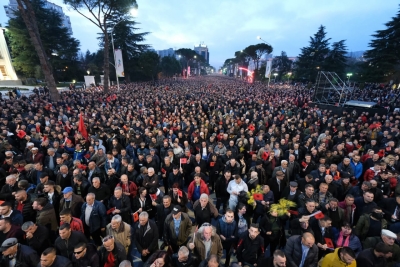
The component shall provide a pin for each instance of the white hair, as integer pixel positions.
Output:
(204, 196)
(117, 218)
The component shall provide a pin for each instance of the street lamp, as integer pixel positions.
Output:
(348, 77)
(275, 74)
(259, 38)
(289, 74)
(88, 72)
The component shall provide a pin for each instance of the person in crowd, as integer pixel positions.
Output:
(111, 253)
(71, 201)
(374, 257)
(204, 210)
(120, 230)
(250, 246)
(67, 240)
(85, 254)
(301, 251)
(370, 224)
(45, 214)
(196, 188)
(93, 217)
(49, 258)
(388, 238)
(120, 204)
(347, 238)
(15, 216)
(205, 242)
(146, 236)
(184, 258)
(37, 236)
(227, 230)
(234, 188)
(159, 258)
(343, 256)
(74, 223)
(16, 254)
(177, 228)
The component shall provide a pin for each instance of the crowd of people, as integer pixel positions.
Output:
(196, 172)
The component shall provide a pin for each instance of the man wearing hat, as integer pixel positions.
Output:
(177, 228)
(291, 192)
(388, 238)
(15, 254)
(261, 174)
(71, 201)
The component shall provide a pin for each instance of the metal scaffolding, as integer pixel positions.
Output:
(331, 90)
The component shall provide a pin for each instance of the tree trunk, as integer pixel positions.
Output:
(106, 61)
(28, 15)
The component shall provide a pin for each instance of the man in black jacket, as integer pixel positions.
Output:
(110, 245)
(37, 236)
(67, 240)
(250, 246)
(49, 258)
(85, 255)
(23, 203)
(121, 205)
(301, 251)
(146, 236)
(102, 191)
(162, 212)
(24, 256)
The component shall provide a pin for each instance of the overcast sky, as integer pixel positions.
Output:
(227, 26)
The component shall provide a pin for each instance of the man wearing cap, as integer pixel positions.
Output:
(177, 228)
(71, 201)
(291, 192)
(35, 156)
(388, 238)
(15, 254)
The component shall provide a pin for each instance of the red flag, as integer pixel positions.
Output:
(21, 134)
(293, 212)
(82, 128)
(329, 242)
(319, 215)
(212, 163)
(179, 193)
(110, 211)
(258, 196)
(183, 160)
(135, 217)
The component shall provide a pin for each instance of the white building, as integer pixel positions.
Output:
(166, 53)
(202, 50)
(66, 22)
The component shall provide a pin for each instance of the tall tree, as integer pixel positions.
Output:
(103, 13)
(27, 12)
(336, 59)
(170, 66)
(384, 55)
(61, 51)
(311, 59)
(257, 51)
(149, 65)
(282, 64)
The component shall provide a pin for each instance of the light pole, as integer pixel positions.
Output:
(115, 60)
(348, 77)
(259, 38)
(275, 74)
(289, 74)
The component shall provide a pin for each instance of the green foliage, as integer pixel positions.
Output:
(148, 65)
(281, 65)
(170, 66)
(55, 39)
(255, 52)
(384, 55)
(336, 59)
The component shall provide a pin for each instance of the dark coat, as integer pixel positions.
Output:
(40, 239)
(28, 213)
(293, 252)
(47, 217)
(75, 205)
(102, 193)
(118, 252)
(91, 257)
(125, 207)
(146, 237)
(60, 261)
(278, 190)
(98, 217)
(26, 257)
(66, 248)
(64, 182)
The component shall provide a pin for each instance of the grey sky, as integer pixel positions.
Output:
(227, 26)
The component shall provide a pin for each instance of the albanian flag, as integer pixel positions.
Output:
(82, 128)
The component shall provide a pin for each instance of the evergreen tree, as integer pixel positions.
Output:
(148, 65)
(60, 47)
(384, 55)
(312, 58)
(336, 59)
(170, 66)
(281, 64)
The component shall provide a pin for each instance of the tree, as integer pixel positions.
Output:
(126, 39)
(170, 66)
(103, 13)
(384, 56)
(27, 12)
(148, 65)
(282, 64)
(311, 59)
(336, 59)
(255, 52)
(61, 51)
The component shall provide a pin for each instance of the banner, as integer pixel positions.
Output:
(119, 65)
(89, 80)
(268, 69)
(188, 71)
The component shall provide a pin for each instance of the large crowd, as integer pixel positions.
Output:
(206, 171)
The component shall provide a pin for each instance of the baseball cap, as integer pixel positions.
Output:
(67, 190)
(176, 209)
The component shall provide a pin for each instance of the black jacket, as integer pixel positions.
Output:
(102, 193)
(249, 250)
(60, 261)
(26, 257)
(124, 206)
(84, 188)
(91, 257)
(118, 252)
(40, 239)
(27, 211)
(66, 247)
(146, 237)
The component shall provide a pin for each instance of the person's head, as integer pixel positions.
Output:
(183, 254)
(325, 222)
(333, 203)
(368, 196)
(229, 216)
(328, 179)
(142, 191)
(382, 250)
(29, 227)
(254, 231)
(124, 179)
(388, 237)
(197, 179)
(322, 168)
(159, 258)
(109, 243)
(96, 182)
(307, 239)
(227, 175)
(203, 200)
(150, 171)
(143, 218)
(21, 195)
(11, 179)
(365, 186)
(48, 257)
(67, 192)
(9, 247)
(213, 261)
(279, 258)
(323, 188)
(65, 231)
(166, 201)
(90, 198)
(238, 179)
(118, 192)
(346, 228)
(125, 263)
(65, 216)
(116, 221)
(39, 203)
(346, 255)
(377, 213)
(80, 250)
(309, 189)
(309, 178)
(349, 200)
(310, 205)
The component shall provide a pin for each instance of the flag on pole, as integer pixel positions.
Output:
(268, 69)
(119, 65)
(82, 128)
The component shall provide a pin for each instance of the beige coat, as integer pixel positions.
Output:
(123, 236)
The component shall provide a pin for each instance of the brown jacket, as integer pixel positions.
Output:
(47, 217)
(199, 248)
(185, 228)
(75, 206)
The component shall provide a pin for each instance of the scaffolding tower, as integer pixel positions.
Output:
(331, 90)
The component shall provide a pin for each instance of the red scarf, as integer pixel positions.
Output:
(110, 260)
(340, 243)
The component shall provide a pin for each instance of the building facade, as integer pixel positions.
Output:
(202, 50)
(166, 53)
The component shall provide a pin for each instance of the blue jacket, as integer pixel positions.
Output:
(115, 165)
(130, 150)
(98, 216)
(227, 230)
(358, 169)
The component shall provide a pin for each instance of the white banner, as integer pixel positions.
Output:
(119, 65)
(268, 69)
(89, 80)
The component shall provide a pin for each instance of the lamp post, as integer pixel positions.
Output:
(275, 74)
(348, 77)
(289, 74)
